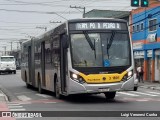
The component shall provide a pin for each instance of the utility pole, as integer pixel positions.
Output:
(79, 7)
(20, 42)
(4, 49)
(11, 46)
(17, 45)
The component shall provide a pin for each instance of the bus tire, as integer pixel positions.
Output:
(135, 88)
(56, 90)
(15, 72)
(27, 85)
(110, 95)
(40, 90)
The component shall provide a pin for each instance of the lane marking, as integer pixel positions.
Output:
(19, 103)
(36, 101)
(1, 94)
(15, 106)
(154, 93)
(23, 93)
(130, 94)
(17, 109)
(137, 99)
(25, 103)
(143, 93)
(23, 98)
(43, 99)
(50, 102)
(142, 100)
(42, 95)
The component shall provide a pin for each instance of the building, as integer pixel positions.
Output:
(108, 14)
(145, 34)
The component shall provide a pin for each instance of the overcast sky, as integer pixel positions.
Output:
(19, 18)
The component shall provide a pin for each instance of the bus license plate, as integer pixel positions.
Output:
(103, 89)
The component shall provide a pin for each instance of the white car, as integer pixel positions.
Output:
(7, 64)
(135, 82)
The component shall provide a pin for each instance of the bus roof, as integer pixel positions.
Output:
(74, 21)
(27, 41)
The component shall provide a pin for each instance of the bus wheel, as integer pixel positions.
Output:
(56, 90)
(15, 72)
(135, 88)
(110, 95)
(40, 87)
(27, 85)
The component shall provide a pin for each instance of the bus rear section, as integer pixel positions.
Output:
(7, 64)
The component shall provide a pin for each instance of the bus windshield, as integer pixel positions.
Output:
(107, 49)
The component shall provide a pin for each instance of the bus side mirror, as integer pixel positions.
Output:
(65, 41)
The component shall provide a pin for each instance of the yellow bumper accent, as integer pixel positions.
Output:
(103, 78)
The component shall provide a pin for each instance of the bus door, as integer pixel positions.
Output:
(43, 63)
(29, 64)
(63, 63)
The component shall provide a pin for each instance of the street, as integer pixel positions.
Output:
(23, 99)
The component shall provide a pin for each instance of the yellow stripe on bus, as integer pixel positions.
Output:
(103, 78)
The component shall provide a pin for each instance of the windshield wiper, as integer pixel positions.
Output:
(90, 42)
(110, 42)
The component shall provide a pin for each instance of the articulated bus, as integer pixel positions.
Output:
(80, 56)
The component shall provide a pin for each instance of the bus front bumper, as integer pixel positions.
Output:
(77, 88)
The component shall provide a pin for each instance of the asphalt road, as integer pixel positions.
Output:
(23, 99)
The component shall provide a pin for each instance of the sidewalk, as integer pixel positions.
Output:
(150, 85)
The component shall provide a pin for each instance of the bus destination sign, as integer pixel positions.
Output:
(97, 25)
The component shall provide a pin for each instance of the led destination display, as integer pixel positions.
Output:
(98, 26)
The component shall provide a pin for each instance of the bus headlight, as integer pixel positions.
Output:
(128, 75)
(76, 78)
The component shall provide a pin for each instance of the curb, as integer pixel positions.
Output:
(8, 95)
(3, 96)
